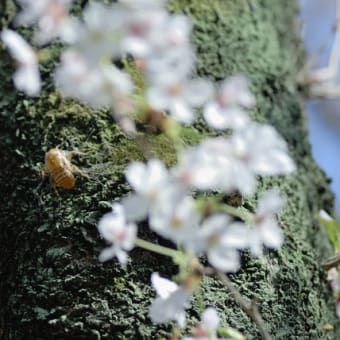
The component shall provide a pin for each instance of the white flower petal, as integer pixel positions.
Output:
(163, 286)
(210, 319)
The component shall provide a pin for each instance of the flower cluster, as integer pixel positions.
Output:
(163, 197)
(159, 43)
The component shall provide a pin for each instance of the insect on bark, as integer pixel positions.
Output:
(60, 170)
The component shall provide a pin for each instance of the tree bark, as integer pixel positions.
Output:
(52, 285)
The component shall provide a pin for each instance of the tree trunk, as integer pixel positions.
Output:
(52, 285)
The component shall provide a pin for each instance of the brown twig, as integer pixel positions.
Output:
(248, 306)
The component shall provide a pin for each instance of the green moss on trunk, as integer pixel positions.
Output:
(51, 284)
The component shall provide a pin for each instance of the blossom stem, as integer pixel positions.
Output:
(243, 215)
(248, 306)
(156, 248)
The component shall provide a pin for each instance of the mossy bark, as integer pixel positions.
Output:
(52, 285)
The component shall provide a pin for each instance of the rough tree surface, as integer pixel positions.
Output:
(52, 285)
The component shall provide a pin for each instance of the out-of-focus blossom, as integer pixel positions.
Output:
(50, 16)
(180, 98)
(232, 163)
(115, 230)
(27, 76)
(98, 37)
(170, 67)
(265, 231)
(172, 58)
(140, 31)
(148, 181)
(207, 330)
(175, 217)
(221, 239)
(262, 149)
(212, 165)
(170, 302)
(98, 85)
(235, 91)
(226, 110)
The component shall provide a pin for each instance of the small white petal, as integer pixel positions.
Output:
(18, 47)
(224, 259)
(163, 286)
(198, 91)
(221, 118)
(210, 319)
(107, 254)
(182, 112)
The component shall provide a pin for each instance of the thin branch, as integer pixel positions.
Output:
(323, 79)
(248, 306)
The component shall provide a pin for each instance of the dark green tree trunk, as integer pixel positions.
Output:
(52, 285)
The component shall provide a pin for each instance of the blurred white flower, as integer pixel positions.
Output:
(232, 163)
(148, 181)
(214, 165)
(27, 76)
(140, 31)
(235, 91)
(221, 240)
(180, 98)
(207, 329)
(114, 228)
(170, 302)
(175, 217)
(50, 16)
(170, 67)
(261, 149)
(98, 37)
(223, 118)
(265, 231)
(101, 85)
(226, 110)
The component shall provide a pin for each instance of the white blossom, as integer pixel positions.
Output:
(114, 228)
(213, 165)
(207, 329)
(221, 241)
(265, 231)
(98, 37)
(175, 217)
(172, 58)
(235, 91)
(148, 181)
(170, 302)
(232, 163)
(50, 16)
(101, 85)
(180, 98)
(141, 30)
(262, 150)
(27, 76)
(226, 110)
(221, 118)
